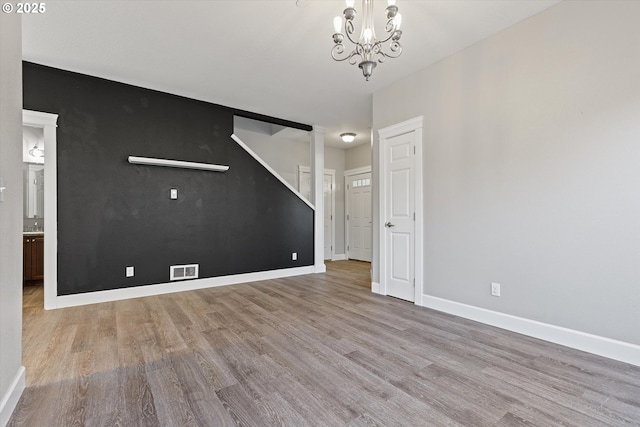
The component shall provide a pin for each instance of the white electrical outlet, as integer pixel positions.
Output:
(130, 272)
(294, 256)
(173, 193)
(495, 289)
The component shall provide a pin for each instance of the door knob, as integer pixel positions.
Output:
(388, 224)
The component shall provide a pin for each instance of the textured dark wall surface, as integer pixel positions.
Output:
(112, 214)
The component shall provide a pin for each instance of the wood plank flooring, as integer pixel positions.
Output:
(317, 350)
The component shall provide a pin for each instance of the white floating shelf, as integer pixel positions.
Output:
(177, 164)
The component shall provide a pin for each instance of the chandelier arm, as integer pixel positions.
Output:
(390, 26)
(396, 49)
(393, 33)
(395, 53)
(339, 50)
(358, 51)
(351, 59)
(349, 29)
(388, 38)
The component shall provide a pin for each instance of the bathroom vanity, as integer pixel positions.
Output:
(33, 257)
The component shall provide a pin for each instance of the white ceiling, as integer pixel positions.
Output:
(270, 57)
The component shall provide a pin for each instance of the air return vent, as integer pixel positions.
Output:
(181, 272)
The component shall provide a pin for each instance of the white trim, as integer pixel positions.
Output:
(167, 288)
(357, 171)
(401, 128)
(607, 347)
(316, 145)
(12, 396)
(270, 169)
(332, 174)
(347, 206)
(411, 125)
(375, 288)
(48, 122)
(347, 174)
(39, 119)
(339, 257)
(321, 268)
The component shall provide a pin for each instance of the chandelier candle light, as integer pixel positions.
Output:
(368, 50)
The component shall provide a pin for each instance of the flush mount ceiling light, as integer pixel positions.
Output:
(36, 152)
(348, 137)
(368, 49)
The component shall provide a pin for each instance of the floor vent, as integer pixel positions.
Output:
(181, 272)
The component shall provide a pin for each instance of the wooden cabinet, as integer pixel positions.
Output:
(33, 256)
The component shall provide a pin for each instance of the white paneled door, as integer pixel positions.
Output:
(398, 217)
(304, 187)
(359, 217)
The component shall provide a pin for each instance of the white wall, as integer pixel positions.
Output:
(357, 157)
(11, 371)
(532, 168)
(284, 151)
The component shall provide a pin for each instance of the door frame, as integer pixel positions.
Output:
(48, 123)
(332, 172)
(384, 134)
(347, 176)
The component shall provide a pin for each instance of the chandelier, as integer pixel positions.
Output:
(368, 49)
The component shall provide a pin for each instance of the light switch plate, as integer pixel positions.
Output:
(174, 194)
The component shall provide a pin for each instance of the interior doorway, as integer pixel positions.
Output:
(47, 123)
(329, 186)
(358, 208)
(400, 210)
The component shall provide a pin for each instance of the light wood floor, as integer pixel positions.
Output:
(310, 350)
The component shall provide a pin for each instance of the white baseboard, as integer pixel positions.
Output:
(339, 257)
(602, 346)
(167, 288)
(11, 397)
(375, 288)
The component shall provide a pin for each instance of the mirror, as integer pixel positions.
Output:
(33, 177)
(33, 190)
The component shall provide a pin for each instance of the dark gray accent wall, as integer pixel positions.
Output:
(112, 214)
